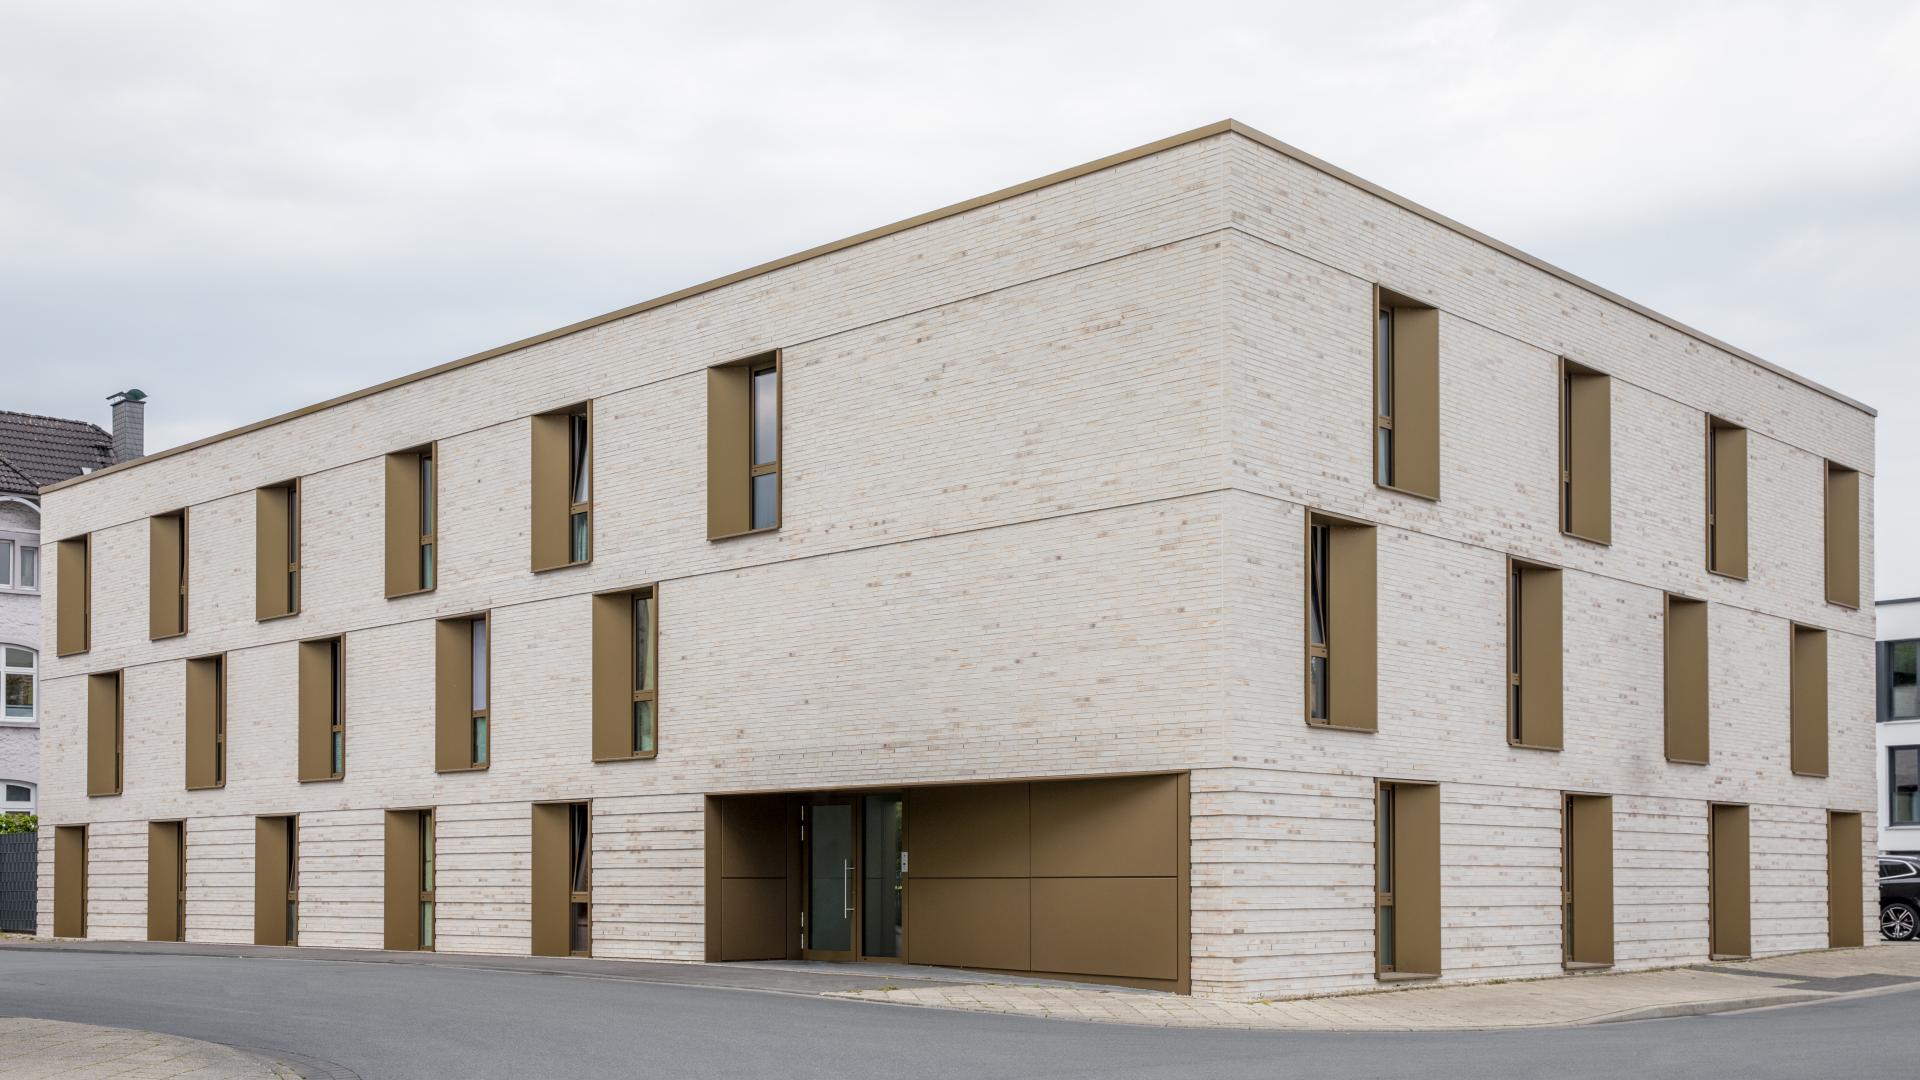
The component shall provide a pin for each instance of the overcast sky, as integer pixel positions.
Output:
(242, 208)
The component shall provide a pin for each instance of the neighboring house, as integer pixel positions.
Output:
(1898, 733)
(35, 451)
(1200, 570)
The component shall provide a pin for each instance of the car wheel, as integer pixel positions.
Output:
(1898, 921)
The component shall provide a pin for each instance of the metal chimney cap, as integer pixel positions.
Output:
(127, 395)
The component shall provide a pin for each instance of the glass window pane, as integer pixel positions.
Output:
(479, 740)
(577, 551)
(1383, 454)
(766, 500)
(1317, 600)
(1317, 674)
(642, 643)
(426, 566)
(1906, 784)
(19, 658)
(426, 494)
(479, 638)
(426, 925)
(581, 882)
(19, 695)
(1903, 691)
(339, 753)
(1383, 361)
(426, 853)
(29, 567)
(18, 793)
(766, 417)
(881, 891)
(643, 727)
(6, 562)
(582, 475)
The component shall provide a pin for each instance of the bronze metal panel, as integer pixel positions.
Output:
(70, 881)
(969, 831)
(1843, 536)
(104, 734)
(755, 832)
(403, 523)
(613, 677)
(273, 544)
(729, 450)
(1729, 507)
(1844, 873)
(552, 495)
(1416, 874)
(1686, 691)
(1542, 679)
(453, 694)
(1590, 457)
(1124, 926)
(402, 881)
(1352, 627)
(753, 918)
(272, 855)
(1589, 854)
(318, 685)
(1124, 827)
(204, 676)
(1809, 701)
(552, 879)
(166, 575)
(73, 602)
(164, 885)
(969, 922)
(1416, 400)
(1729, 890)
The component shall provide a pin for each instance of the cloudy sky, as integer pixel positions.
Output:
(243, 207)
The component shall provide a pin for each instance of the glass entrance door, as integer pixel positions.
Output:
(882, 892)
(832, 880)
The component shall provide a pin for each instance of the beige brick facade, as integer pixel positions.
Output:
(1046, 463)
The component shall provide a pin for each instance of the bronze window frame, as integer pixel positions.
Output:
(1721, 563)
(553, 513)
(96, 739)
(73, 607)
(1519, 573)
(266, 565)
(1347, 610)
(1672, 724)
(1840, 535)
(1406, 392)
(216, 745)
(1586, 476)
(731, 470)
(175, 569)
(617, 693)
(412, 521)
(336, 720)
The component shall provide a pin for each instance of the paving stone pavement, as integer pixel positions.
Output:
(43, 1049)
(1589, 998)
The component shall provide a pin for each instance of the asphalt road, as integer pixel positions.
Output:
(425, 1021)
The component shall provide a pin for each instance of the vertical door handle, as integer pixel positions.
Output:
(846, 887)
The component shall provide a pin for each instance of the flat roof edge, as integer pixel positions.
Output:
(1172, 142)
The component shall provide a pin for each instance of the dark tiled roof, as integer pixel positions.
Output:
(40, 450)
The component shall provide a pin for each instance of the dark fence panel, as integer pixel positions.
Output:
(19, 879)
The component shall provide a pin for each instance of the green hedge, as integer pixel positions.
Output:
(12, 823)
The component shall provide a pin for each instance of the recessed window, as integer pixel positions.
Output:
(1808, 736)
(1726, 498)
(19, 564)
(206, 744)
(18, 799)
(625, 659)
(106, 733)
(1843, 536)
(1900, 679)
(744, 424)
(276, 554)
(463, 693)
(20, 670)
(562, 527)
(412, 507)
(73, 603)
(29, 567)
(167, 575)
(323, 709)
(1586, 453)
(1341, 634)
(1406, 394)
(1534, 659)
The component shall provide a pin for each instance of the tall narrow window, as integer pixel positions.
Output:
(276, 881)
(412, 507)
(277, 551)
(1726, 498)
(29, 567)
(625, 659)
(1586, 453)
(1843, 536)
(463, 691)
(1342, 650)
(1903, 785)
(1534, 661)
(323, 712)
(1406, 391)
(562, 528)
(167, 575)
(1686, 689)
(743, 446)
(562, 880)
(1899, 680)
(1407, 880)
(1809, 701)
(73, 607)
(1586, 835)
(206, 743)
(19, 667)
(409, 879)
(106, 733)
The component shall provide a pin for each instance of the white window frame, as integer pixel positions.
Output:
(18, 540)
(31, 806)
(33, 673)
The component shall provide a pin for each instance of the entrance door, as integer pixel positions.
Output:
(833, 877)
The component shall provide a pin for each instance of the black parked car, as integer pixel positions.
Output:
(1899, 896)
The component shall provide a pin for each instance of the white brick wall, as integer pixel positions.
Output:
(1046, 466)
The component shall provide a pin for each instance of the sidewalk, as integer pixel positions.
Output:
(1554, 1002)
(42, 1049)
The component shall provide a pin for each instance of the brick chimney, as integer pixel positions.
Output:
(129, 425)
